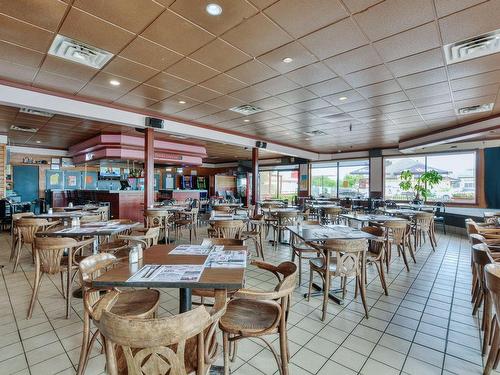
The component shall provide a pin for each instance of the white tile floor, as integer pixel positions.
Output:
(424, 326)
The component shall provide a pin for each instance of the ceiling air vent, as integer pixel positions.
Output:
(79, 52)
(246, 109)
(314, 133)
(23, 129)
(477, 46)
(36, 112)
(475, 109)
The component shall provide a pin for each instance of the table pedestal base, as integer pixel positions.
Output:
(332, 294)
(185, 303)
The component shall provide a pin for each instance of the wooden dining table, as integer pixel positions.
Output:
(362, 218)
(211, 278)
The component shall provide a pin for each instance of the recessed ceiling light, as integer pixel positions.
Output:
(246, 120)
(182, 102)
(214, 9)
(307, 139)
(342, 98)
(38, 141)
(287, 60)
(114, 82)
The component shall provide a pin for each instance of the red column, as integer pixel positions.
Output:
(149, 165)
(255, 175)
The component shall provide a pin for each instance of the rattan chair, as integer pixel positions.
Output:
(257, 314)
(177, 345)
(223, 242)
(26, 229)
(424, 225)
(228, 228)
(300, 248)
(492, 281)
(284, 219)
(90, 218)
(332, 215)
(339, 258)
(50, 259)
(158, 218)
(189, 220)
(255, 234)
(397, 233)
(133, 304)
(14, 236)
(376, 253)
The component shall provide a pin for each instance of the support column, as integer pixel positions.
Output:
(255, 175)
(149, 165)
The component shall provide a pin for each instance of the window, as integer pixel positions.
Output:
(279, 184)
(458, 170)
(344, 179)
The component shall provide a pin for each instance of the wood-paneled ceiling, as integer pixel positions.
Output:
(368, 73)
(61, 132)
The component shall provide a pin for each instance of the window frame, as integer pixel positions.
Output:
(438, 153)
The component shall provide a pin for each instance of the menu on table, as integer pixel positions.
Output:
(194, 249)
(168, 273)
(227, 259)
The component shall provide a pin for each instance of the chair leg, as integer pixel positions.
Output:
(493, 351)
(84, 350)
(380, 271)
(326, 290)
(62, 284)
(225, 347)
(69, 291)
(283, 350)
(486, 322)
(36, 288)
(300, 268)
(403, 251)
(363, 294)
(18, 254)
(310, 285)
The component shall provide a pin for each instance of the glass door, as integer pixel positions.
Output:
(279, 184)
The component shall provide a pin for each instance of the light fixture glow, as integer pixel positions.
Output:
(38, 142)
(287, 60)
(246, 120)
(214, 9)
(114, 82)
(182, 102)
(342, 98)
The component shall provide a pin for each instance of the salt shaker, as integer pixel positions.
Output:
(70, 204)
(133, 255)
(50, 211)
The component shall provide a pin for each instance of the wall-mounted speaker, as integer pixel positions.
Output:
(375, 152)
(260, 144)
(154, 122)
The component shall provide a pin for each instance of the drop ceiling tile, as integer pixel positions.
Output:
(311, 74)
(413, 120)
(102, 93)
(355, 106)
(257, 35)
(136, 101)
(169, 82)
(419, 39)
(431, 100)
(151, 92)
(219, 117)
(417, 63)
(381, 88)
(311, 105)
(326, 42)
(54, 82)
(403, 114)
(252, 72)
(148, 53)
(395, 97)
(197, 111)
(356, 6)
(347, 97)
(192, 70)
(249, 94)
(287, 110)
(366, 115)
(476, 80)
(226, 102)
(476, 92)
(94, 31)
(276, 85)
(200, 93)
(172, 105)
(475, 66)
(297, 95)
(177, 33)
(42, 13)
(470, 22)
(14, 53)
(357, 59)
(368, 76)
(24, 34)
(327, 112)
(445, 7)
(220, 55)
(395, 107)
(424, 78)
(223, 84)
(233, 12)
(129, 69)
(103, 78)
(301, 57)
(439, 115)
(119, 12)
(400, 15)
(436, 108)
(269, 103)
(435, 89)
(67, 68)
(302, 17)
(329, 87)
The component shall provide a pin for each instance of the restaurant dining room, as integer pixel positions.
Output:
(249, 187)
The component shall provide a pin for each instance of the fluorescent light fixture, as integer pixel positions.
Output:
(342, 98)
(182, 102)
(246, 120)
(114, 82)
(214, 9)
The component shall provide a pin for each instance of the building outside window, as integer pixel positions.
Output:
(344, 179)
(458, 170)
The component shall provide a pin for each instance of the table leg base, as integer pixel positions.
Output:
(77, 293)
(332, 294)
(217, 370)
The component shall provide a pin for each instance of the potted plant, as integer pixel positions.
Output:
(420, 185)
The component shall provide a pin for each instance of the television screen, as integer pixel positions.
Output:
(109, 172)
